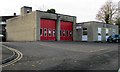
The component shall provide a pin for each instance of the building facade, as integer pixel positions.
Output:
(3, 26)
(38, 25)
(95, 31)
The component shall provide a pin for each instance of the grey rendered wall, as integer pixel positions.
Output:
(103, 33)
(22, 28)
(90, 31)
(93, 30)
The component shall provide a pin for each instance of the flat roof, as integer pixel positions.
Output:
(94, 22)
(4, 18)
(91, 21)
(55, 13)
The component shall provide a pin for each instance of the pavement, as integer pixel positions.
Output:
(65, 56)
(7, 55)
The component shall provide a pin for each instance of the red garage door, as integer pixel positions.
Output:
(66, 32)
(48, 29)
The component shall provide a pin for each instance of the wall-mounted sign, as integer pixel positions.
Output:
(78, 27)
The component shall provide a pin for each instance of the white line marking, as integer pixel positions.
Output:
(19, 57)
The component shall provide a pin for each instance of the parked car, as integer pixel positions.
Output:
(114, 38)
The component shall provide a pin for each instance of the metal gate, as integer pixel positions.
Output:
(66, 31)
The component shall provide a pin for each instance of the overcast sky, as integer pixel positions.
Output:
(84, 10)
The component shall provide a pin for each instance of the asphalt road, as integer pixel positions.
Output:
(65, 56)
(7, 53)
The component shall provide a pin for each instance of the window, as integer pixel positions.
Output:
(49, 32)
(45, 32)
(113, 30)
(41, 32)
(99, 31)
(63, 33)
(66, 33)
(53, 32)
(70, 33)
(84, 31)
(107, 31)
(78, 27)
(99, 34)
(28, 11)
(60, 32)
(84, 28)
(107, 34)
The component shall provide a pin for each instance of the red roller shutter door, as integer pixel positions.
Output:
(66, 32)
(48, 29)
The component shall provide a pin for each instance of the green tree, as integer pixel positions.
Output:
(51, 11)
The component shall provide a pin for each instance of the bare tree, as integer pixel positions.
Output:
(107, 13)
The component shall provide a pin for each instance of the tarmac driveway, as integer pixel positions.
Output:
(65, 56)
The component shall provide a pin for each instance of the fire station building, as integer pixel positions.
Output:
(38, 25)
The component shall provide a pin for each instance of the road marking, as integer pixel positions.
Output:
(19, 57)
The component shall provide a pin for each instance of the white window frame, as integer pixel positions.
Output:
(54, 32)
(49, 32)
(84, 31)
(67, 33)
(99, 30)
(63, 33)
(45, 32)
(107, 30)
(70, 34)
(41, 33)
(113, 30)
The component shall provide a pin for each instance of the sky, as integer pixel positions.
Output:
(84, 10)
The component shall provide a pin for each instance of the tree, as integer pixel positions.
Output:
(51, 11)
(107, 13)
